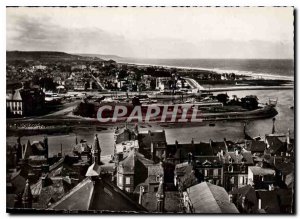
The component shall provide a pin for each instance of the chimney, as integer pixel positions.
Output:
(43, 179)
(288, 140)
(237, 152)
(230, 198)
(190, 158)
(192, 141)
(226, 146)
(259, 203)
(243, 201)
(273, 128)
(142, 190)
(45, 168)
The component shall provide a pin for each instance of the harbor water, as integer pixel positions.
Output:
(231, 130)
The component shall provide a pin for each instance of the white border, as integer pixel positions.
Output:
(4, 3)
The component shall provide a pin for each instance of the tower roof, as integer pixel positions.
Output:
(96, 144)
(27, 192)
(160, 190)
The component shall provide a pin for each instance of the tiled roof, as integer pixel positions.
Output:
(93, 170)
(127, 165)
(209, 198)
(71, 200)
(275, 144)
(82, 147)
(172, 202)
(245, 157)
(256, 170)
(255, 146)
(98, 195)
(269, 201)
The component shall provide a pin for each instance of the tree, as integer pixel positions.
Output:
(223, 98)
(250, 102)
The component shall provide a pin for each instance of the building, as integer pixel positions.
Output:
(153, 144)
(261, 177)
(235, 168)
(207, 198)
(132, 170)
(98, 195)
(25, 102)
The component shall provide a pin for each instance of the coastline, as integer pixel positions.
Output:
(217, 71)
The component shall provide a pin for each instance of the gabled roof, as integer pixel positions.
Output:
(27, 151)
(82, 147)
(255, 146)
(208, 198)
(151, 137)
(17, 95)
(256, 170)
(154, 171)
(244, 156)
(93, 170)
(269, 201)
(275, 144)
(99, 195)
(78, 198)
(127, 165)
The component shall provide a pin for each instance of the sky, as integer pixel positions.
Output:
(202, 32)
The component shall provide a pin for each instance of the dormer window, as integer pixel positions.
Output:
(243, 168)
(230, 168)
(158, 178)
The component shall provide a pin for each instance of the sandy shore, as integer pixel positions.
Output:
(219, 71)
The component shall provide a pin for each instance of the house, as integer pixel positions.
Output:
(245, 199)
(182, 174)
(178, 152)
(209, 169)
(207, 198)
(275, 145)
(155, 172)
(235, 166)
(25, 102)
(96, 195)
(256, 147)
(153, 144)
(261, 177)
(125, 134)
(132, 170)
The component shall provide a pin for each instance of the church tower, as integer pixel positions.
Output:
(96, 151)
(160, 196)
(27, 196)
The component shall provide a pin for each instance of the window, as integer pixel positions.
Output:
(205, 172)
(158, 178)
(230, 168)
(127, 180)
(242, 180)
(127, 189)
(216, 172)
(120, 180)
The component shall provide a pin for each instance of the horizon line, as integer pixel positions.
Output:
(177, 58)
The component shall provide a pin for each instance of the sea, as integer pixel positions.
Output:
(285, 120)
(270, 68)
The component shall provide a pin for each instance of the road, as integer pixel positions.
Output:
(194, 84)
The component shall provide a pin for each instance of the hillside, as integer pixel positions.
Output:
(105, 57)
(44, 56)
